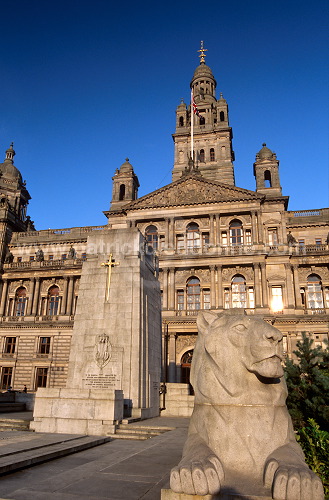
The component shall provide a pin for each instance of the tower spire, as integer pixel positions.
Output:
(202, 55)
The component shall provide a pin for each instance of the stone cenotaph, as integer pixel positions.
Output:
(115, 356)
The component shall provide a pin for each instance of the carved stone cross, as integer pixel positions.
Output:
(109, 264)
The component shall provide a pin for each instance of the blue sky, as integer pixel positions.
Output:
(85, 84)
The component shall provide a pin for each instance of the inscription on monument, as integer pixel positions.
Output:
(95, 381)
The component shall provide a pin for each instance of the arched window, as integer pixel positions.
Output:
(151, 235)
(201, 155)
(222, 116)
(314, 292)
(186, 361)
(122, 192)
(212, 154)
(267, 179)
(53, 300)
(239, 295)
(193, 237)
(236, 233)
(193, 293)
(181, 121)
(20, 301)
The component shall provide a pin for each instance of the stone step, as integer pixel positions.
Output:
(137, 437)
(21, 459)
(12, 407)
(10, 424)
(131, 420)
(140, 432)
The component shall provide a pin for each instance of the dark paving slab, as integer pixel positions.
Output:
(120, 469)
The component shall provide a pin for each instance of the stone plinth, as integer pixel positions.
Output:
(167, 494)
(74, 411)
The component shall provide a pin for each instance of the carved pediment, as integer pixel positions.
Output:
(192, 190)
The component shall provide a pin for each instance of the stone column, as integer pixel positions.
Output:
(172, 289)
(212, 287)
(260, 229)
(219, 288)
(64, 298)
(36, 296)
(298, 299)
(70, 296)
(257, 289)
(172, 358)
(217, 235)
(167, 233)
(264, 284)
(31, 295)
(3, 296)
(212, 231)
(165, 288)
(290, 290)
(254, 228)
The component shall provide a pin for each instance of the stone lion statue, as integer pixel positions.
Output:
(241, 438)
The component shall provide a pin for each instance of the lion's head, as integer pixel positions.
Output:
(231, 343)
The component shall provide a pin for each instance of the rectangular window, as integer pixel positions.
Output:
(41, 377)
(277, 302)
(50, 257)
(6, 377)
(64, 256)
(180, 300)
(180, 241)
(206, 299)
(44, 345)
(272, 236)
(83, 256)
(248, 237)
(251, 297)
(226, 298)
(19, 259)
(205, 240)
(31, 258)
(301, 242)
(318, 241)
(10, 345)
(224, 239)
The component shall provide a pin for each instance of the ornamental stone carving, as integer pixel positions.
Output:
(241, 437)
(13, 285)
(184, 341)
(304, 272)
(228, 273)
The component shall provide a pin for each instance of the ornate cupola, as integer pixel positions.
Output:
(212, 136)
(125, 186)
(14, 196)
(266, 172)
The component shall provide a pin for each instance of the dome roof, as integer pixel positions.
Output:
(265, 153)
(126, 167)
(8, 168)
(203, 71)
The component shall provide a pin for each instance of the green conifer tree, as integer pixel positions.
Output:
(308, 384)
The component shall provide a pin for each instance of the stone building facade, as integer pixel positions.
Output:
(219, 246)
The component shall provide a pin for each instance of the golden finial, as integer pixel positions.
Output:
(202, 53)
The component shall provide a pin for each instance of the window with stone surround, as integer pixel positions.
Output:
(276, 300)
(272, 236)
(6, 377)
(212, 154)
(10, 346)
(193, 236)
(44, 346)
(41, 377)
(239, 295)
(193, 292)
(53, 301)
(151, 236)
(236, 233)
(20, 301)
(201, 156)
(314, 292)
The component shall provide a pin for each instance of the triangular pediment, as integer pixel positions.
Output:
(192, 190)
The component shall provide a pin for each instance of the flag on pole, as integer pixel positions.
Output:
(194, 106)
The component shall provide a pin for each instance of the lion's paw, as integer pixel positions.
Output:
(197, 477)
(293, 482)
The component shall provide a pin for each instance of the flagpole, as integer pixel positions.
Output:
(192, 120)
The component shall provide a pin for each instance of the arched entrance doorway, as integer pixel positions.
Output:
(185, 364)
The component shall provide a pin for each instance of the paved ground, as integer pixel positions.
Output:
(117, 470)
